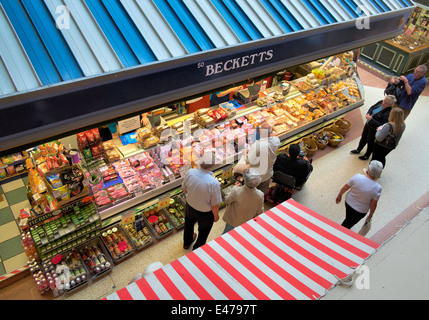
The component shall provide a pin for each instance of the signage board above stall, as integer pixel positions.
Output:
(57, 110)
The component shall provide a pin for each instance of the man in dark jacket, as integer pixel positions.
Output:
(294, 165)
(376, 116)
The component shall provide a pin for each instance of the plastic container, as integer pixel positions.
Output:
(142, 237)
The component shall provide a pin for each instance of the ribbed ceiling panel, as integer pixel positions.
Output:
(109, 35)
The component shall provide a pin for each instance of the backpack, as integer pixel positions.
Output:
(390, 141)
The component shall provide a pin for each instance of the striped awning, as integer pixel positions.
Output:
(68, 64)
(289, 252)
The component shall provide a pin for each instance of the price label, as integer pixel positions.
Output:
(226, 173)
(128, 217)
(164, 201)
(158, 181)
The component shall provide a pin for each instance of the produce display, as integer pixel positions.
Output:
(117, 243)
(139, 233)
(176, 210)
(158, 221)
(95, 259)
(65, 232)
(65, 273)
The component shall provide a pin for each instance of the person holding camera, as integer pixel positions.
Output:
(414, 84)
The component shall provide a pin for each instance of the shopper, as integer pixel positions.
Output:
(294, 165)
(376, 116)
(243, 202)
(203, 196)
(363, 194)
(262, 155)
(395, 126)
(414, 84)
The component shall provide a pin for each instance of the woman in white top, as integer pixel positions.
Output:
(363, 194)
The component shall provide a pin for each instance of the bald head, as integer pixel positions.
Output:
(265, 130)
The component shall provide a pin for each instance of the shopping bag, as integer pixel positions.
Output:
(365, 228)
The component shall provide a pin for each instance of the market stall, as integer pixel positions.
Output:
(57, 81)
(89, 80)
(289, 252)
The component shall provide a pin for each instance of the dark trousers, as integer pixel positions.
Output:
(379, 153)
(205, 222)
(367, 138)
(352, 217)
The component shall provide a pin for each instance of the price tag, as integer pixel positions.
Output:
(128, 217)
(158, 181)
(164, 201)
(226, 173)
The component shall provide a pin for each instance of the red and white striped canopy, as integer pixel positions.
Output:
(289, 252)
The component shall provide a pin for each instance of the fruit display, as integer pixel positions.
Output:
(117, 243)
(139, 233)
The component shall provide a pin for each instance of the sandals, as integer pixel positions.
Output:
(193, 239)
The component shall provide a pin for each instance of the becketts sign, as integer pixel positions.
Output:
(237, 63)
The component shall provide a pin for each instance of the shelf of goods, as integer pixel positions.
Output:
(91, 213)
(146, 173)
(13, 167)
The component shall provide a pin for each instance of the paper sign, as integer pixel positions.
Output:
(129, 124)
(164, 201)
(128, 217)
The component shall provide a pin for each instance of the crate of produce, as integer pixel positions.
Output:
(159, 223)
(66, 273)
(96, 258)
(117, 243)
(176, 211)
(139, 233)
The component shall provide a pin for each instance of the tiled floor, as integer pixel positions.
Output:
(13, 199)
(315, 196)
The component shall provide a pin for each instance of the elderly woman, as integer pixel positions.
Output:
(363, 194)
(376, 116)
(243, 202)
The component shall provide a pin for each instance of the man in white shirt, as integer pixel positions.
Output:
(203, 197)
(262, 155)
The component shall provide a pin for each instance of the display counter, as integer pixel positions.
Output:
(249, 115)
(109, 199)
(393, 58)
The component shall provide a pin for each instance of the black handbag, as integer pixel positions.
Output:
(390, 141)
(394, 89)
